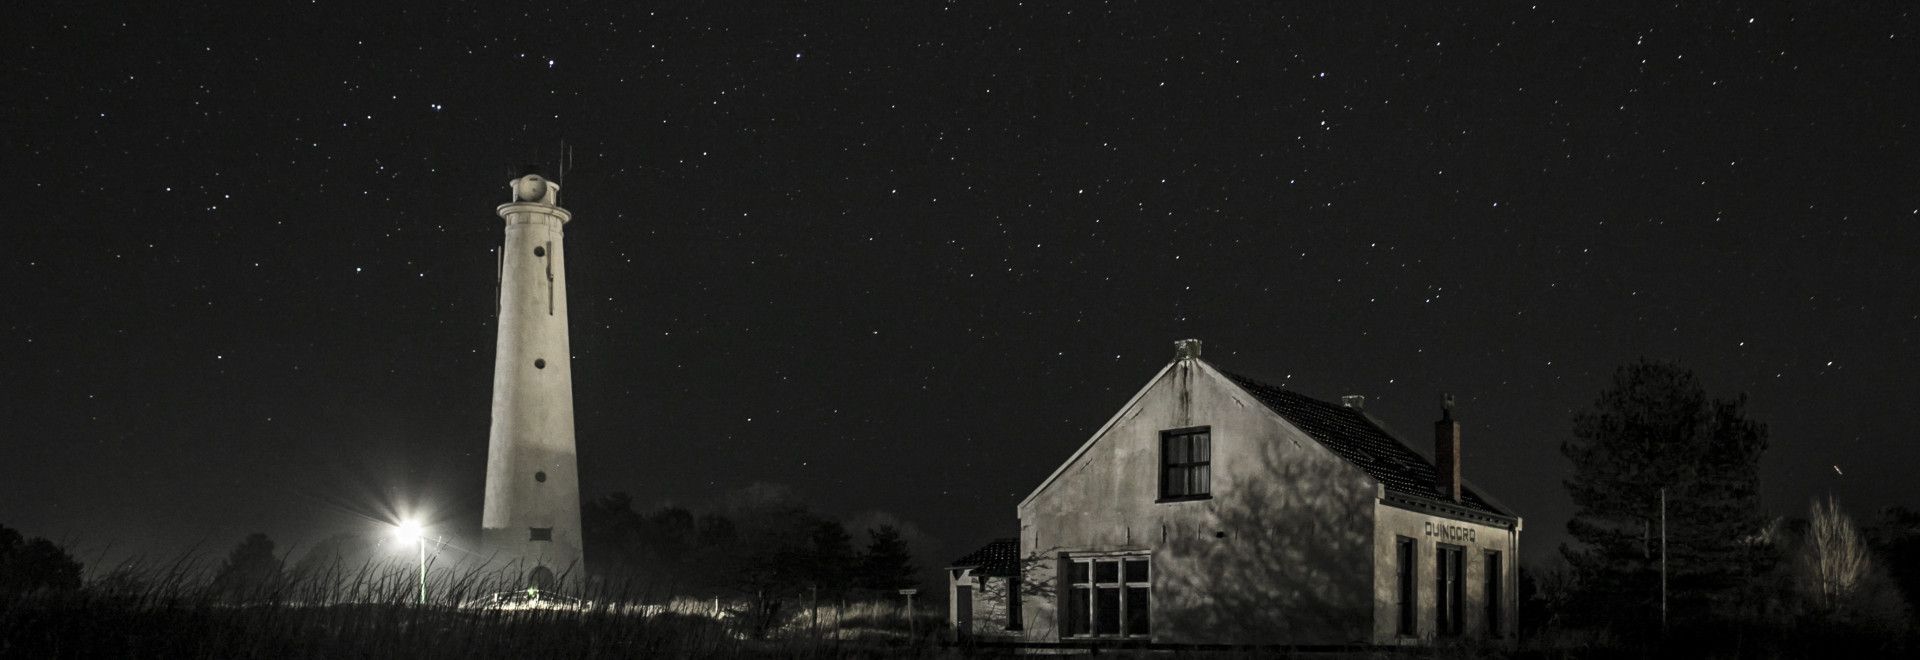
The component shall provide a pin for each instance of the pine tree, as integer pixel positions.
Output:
(832, 559)
(1656, 429)
(887, 564)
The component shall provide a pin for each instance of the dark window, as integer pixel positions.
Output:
(1494, 595)
(539, 251)
(539, 363)
(1186, 463)
(1108, 597)
(1139, 610)
(1404, 594)
(1106, 610)
(1016, 619)
(1446, 590)
(540, 477)
(1077, 610)
(540, 533)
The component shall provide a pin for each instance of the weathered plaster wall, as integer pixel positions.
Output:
(532, 433)
(989, 605)
(1280, 554)
(1428, 531)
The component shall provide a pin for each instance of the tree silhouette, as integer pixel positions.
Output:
(831, 563)
(1895, 538)
(1655, 428)
(36, 564)
(250, 572)
(887, 563)
(762, 544)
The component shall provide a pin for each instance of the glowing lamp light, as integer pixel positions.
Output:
(408, 531)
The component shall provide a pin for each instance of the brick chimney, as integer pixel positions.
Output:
(1186, 349)
(1446, 451)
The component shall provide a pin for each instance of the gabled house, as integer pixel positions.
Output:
(1213, 508)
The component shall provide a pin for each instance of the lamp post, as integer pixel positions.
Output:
(410, 531)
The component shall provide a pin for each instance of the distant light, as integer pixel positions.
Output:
(407, 530)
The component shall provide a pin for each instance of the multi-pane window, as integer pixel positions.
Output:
(1186, 463)
(1493, 595)
(1403, 593)
(1108, 597)
(1447, 578)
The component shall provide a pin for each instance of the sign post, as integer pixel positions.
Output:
(909, 594)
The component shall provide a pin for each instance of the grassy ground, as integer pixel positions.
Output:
(173, 611)
(92, 625)
(372, 611)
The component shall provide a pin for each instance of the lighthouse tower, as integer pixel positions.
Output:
(531, 522)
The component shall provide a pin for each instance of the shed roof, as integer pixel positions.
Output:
(1000, 558)
(1358, 439)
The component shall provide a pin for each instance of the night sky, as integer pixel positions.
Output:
(905, 257)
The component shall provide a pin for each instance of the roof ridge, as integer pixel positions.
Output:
(1359, 439)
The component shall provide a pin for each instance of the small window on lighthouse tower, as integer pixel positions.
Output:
(539, 363)
(539, 251)
(539, 533)
(540, 477)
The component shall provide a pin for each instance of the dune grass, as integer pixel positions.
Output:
(173, 610)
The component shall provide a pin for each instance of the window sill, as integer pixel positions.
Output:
(1108, 638)
(1183, 498)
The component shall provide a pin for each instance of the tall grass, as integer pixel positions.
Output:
(171, 609)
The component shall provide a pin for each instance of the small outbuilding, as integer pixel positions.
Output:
(983, 592)
(1213, 508)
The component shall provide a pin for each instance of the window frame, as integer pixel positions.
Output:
(1092, 586)
(1449, 601)
(1406, 589)
(1166, 468)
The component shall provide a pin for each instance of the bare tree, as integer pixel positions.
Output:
(1833, 560)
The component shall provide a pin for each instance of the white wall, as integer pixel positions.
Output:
(1428, 531)
(989, 604)
(1280, 554)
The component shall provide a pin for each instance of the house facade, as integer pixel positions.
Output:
(1213, 508)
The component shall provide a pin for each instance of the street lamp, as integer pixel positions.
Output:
(409, 531)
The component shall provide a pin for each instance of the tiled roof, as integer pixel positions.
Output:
(1357, 439)
(1000, 558)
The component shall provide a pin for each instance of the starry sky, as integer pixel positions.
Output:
(904, 257)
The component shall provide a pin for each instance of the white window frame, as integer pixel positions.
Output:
(1094, 584)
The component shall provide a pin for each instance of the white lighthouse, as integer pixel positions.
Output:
(531, 524)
